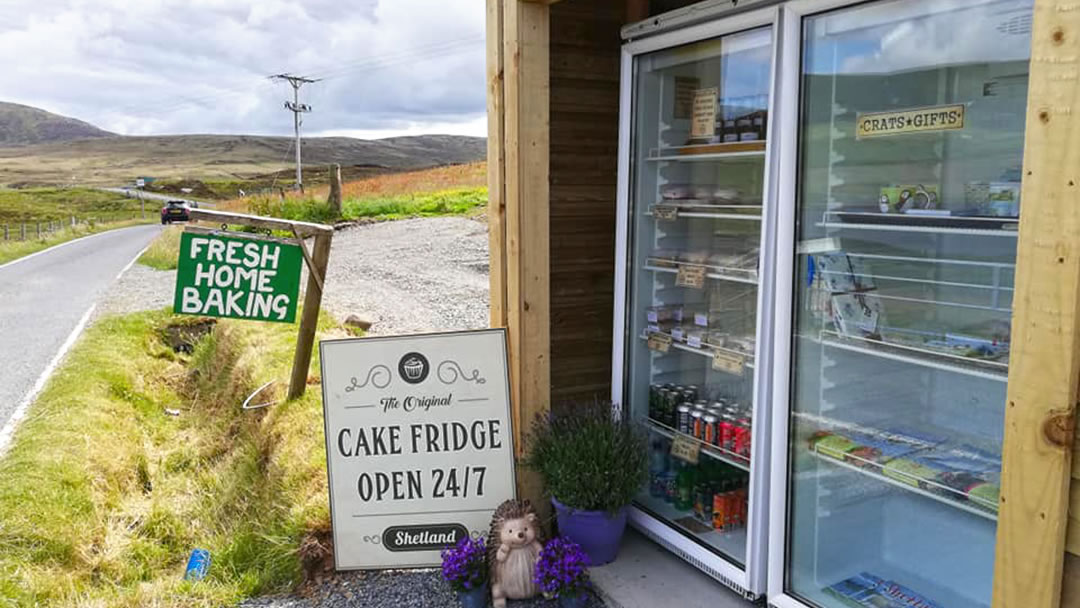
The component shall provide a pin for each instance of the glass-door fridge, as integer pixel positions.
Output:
(899, 198)
(693, 287)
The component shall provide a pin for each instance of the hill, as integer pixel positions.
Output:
(21, 124)
(34, 151)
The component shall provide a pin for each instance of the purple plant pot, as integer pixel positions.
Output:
(598, 533)
(476, 598)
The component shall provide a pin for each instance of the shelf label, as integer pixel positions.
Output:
(685, 448)
(690, 276)
(665, 212)
(703, 122)
(701, 319)
(732, 363)
(659, 342)
(694, 341)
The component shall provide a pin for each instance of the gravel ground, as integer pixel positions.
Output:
(385, 589)
(408, 276)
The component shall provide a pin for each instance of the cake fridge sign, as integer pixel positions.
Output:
(418, 442)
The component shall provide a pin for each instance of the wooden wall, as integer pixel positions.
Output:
(585, 47)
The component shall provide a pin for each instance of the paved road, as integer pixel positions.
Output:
(131, 193)
(43, 298)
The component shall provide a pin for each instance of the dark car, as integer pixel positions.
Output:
(175, 211)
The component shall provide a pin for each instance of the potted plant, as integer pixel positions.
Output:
(592, 464)
(561, 572)
(465, 567)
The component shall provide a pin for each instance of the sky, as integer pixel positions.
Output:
(389, 67)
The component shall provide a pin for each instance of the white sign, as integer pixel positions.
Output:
(418, 443)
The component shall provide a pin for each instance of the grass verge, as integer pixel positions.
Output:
(12, 250)
(60, 204)
(164, 250)
(459, 201)
(103, 494)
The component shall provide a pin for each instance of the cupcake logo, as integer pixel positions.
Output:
(413, 368)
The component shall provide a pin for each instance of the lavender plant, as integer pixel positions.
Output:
(561, 570)
(464, 565)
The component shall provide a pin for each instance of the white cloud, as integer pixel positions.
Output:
(199, 66)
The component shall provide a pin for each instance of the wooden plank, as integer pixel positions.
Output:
(1070, 589)
(1072, 533)
(270, 223)
(526, 67)
(637, 10)
(496, 112)
(1045, 362)
(309, 319)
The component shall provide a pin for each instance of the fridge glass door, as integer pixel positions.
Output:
(696, 218)
(907, 205)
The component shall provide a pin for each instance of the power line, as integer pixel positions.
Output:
(297, 109)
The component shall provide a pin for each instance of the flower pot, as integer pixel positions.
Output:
(598, 533)
(576, 600)
(475, 598)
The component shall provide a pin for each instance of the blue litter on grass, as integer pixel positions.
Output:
(197, 566)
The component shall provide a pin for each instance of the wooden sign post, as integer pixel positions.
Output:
(316, 261)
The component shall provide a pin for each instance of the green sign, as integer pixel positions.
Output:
(239, 278)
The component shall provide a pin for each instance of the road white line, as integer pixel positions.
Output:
(64, 244)
(20, 411)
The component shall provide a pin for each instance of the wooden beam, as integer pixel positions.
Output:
(637, 10)
(496, 168)
(304, 229)
(309, 319)
(1045, 361)
(526, 65)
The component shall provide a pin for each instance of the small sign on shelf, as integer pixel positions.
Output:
(667, 213)
(732, 363)
(659, 342)
(690, 276)
(686, 449)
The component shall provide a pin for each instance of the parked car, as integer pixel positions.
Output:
(175, 211)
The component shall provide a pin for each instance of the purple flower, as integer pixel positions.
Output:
(561, 569)
(464, 565)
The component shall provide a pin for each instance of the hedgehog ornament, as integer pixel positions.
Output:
(513, 548)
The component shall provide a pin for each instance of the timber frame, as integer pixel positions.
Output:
(1038, 546)
(317, 261)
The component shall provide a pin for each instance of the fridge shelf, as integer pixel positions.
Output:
(731, 543)
(989, 370)
(712, 451)
(704, 212)
(706, 350)
(962, 225)
(718, 273)
(951, 497)
(751, 150)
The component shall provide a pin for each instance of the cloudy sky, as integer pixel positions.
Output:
(390, 67)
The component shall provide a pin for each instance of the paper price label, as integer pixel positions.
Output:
(677, 333)
(690, 276)
(703, 121)
(701, 319)
(659, 342)
(665, 212)
(694, 341)
(731, 363)
(685, 448)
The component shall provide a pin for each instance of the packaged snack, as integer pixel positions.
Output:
(836, 272)
(897, 199)
(831, 445)
(858, 315)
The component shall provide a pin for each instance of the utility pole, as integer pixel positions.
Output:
(296, 108)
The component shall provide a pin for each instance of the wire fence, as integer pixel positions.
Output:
(38, 229)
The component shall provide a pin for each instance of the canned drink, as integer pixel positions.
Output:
(671, 488)
(709, 422)
(697, 424)
(683, 425)
(727, 432)
(657, 413)
(718, 512)
(670, 406)
(742, 437)
(694, 389)
(197, 566)
(654, 399)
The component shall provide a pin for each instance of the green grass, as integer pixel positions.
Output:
(13, 249)
(457, 201)
(60, 204)
(103, 495)
(164, 251)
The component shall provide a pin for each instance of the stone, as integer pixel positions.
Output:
(358, 322)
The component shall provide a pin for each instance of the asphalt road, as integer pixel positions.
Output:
(154, 196)
(43, 298)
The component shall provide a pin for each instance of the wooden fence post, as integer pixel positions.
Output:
(335, 190)
(22, 236)
(5, 232)
(73, 221)
(38, 229)
(309, 319)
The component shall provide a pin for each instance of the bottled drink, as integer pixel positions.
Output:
(684, 482)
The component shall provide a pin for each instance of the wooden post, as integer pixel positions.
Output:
(309, 319)
(5, 232)
(1044, 366)
(637, 10)
(22, 230)
(496, 167)
(335, 190)
(38, 224)
(73, 221)
(526, 92)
